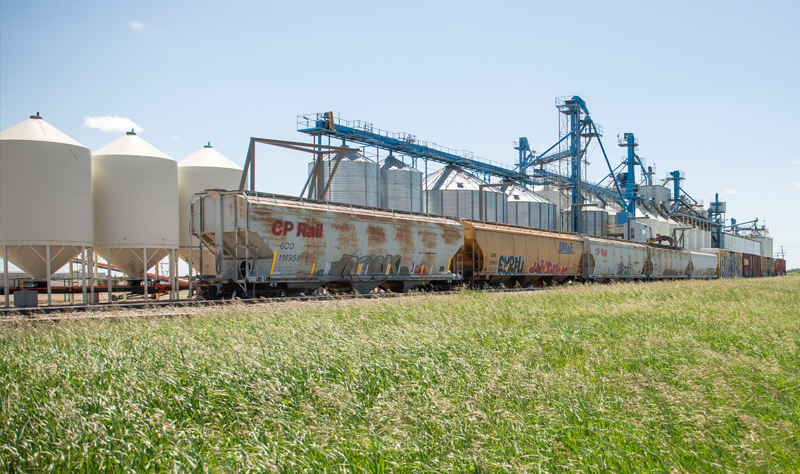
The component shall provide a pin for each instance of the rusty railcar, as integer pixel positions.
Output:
(704, 265)
(665, 263)
(780, 267)
(266, 245)
(729, 263)
(751, 265)
(500, 254)
(606, 259)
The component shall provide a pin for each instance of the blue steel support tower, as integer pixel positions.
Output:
(629, 141)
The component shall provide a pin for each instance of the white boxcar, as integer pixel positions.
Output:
(266, 245)
(605, 259)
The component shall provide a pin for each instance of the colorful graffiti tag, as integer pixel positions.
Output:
(511, 265)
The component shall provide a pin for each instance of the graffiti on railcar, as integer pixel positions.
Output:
(511, 265)
(624, 269)
(546, 267)
(352, 264)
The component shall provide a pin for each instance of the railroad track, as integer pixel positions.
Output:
(183, 308)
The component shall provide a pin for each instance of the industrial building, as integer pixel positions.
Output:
(131, 205)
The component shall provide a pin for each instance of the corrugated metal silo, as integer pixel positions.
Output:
(355, 181)
(45, 197)
(135, 194)
(453, 192)
(204, 169)
(401, 186)
(527, 209)
(594, 221)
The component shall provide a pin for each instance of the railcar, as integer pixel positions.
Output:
(501, 254)
(610, 260)
(267, 245)
(704, 265)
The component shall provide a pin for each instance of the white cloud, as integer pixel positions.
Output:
(795, 185)
(731, 191)
(175, 137)
(795, 162)
(112, 124)
(135, 25)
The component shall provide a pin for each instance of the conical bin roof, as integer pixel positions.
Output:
(210, 158)
(131, 144)
(454, 178)
(36, 129)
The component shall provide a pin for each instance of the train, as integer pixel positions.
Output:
(266, 245)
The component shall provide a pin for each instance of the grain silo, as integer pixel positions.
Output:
(527, 209)
(45, 197)
(204, 169)
(593, 221)
(453, 192)
(354, 182)
(135, 194)
(401, 186)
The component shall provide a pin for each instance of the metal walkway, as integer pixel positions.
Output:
(364, 133)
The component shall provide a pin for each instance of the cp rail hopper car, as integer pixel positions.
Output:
(268, 245)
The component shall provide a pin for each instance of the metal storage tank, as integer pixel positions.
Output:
(45, 197)
(401, 186)
(527, 209)
(355, 181)
(659, 193)
(204, 169)
(594, 221)
(135, 194)
(453, 192)
(561, 200)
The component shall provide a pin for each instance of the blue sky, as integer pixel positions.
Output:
(709, 88)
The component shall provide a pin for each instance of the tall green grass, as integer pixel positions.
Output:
(661, 377)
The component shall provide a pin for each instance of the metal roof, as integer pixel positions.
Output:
(132, 145)
(36, 129)
(393, 164)
(455, 178)
(517, 193)
(210, 158)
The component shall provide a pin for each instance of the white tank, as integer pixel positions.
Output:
(45, 196)
(204, 169)
(135, 194)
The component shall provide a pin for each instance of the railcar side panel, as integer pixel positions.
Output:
(605, 259)
(751, 265)
(667, 263)
(511, 255)
(262, 240)
(704, 264)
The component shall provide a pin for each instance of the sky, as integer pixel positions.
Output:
(709, 88)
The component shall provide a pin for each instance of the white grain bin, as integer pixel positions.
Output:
(135, 194)
(204, 169)
(45, 197)
(527, 209)
(355, 181)
(453, 192)
(401, 186)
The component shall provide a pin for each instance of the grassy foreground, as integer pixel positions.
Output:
(683, 376)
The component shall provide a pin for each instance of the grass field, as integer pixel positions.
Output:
(660, 377)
